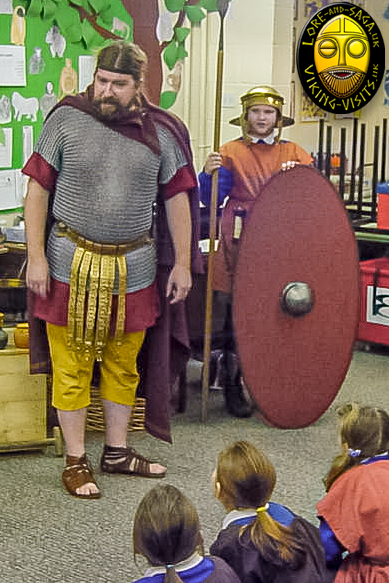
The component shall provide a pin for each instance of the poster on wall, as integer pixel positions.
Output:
(86, 69)
(28, 139)
(12, 66)
(6, 148)
(310, 111)
(8, 189)
(5, 6)
(312, 6)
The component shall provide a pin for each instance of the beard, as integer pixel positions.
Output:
(109, 108)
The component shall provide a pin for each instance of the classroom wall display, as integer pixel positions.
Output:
(163, 28)
(45, 54)
(309, 110)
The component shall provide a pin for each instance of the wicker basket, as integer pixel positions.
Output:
(95, 417)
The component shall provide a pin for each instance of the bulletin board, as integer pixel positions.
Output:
(39, 65)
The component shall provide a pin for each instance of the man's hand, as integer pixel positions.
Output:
(180, 227)
(213, 162)
(179, 284)
(37, 276)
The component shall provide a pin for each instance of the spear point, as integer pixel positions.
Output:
(222, 7)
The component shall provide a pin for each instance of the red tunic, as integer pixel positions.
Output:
(357, 510)
(251, 166)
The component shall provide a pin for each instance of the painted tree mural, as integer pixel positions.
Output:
(90, 22)
(84, 22)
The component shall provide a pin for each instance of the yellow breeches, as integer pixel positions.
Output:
(72, 372)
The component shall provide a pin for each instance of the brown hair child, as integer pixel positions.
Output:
(262, 540)
(167, 533)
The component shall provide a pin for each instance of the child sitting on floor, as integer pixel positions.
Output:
(261, 540)
(354, 514)
(167, 533)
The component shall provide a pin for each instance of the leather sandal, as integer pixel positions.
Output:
(77, 473)
(141, 465)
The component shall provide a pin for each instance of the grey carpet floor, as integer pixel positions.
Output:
(48, 536)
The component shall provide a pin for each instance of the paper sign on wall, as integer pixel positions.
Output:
(12, 66)
(6, 149)
(8, 189)
(5, 6)
(27, 143)
(86, 69)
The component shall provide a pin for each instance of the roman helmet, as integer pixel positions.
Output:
(262, 95)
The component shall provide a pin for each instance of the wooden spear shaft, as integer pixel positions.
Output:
(222, 9)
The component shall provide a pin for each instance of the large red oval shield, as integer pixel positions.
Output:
(296, 297)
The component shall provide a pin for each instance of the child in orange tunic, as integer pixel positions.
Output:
(354, 514)
(244, 166)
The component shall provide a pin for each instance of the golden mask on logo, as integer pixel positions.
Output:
(342, 55)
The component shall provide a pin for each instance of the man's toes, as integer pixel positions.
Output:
(157, 469)
(86, 489)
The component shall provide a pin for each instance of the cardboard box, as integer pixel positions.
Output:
(374, 306)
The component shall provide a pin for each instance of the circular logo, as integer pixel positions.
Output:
(341, 58)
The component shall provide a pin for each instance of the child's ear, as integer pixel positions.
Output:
(217, 489)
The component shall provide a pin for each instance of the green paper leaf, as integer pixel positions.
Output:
(170, 55)
(181, 53)
(81, 3)
(180, 33)
(72, 34)
(195, 14)
(105, 18)
(2, 137)
(208, 5)
(174, 5)
(167, 98)
(90, 36)
(49, 10)
(67, 18)
(99, 5)
(34, 9)
(80, 45)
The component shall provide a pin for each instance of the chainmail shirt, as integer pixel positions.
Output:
(110, 201)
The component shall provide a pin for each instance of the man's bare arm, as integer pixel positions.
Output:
(180, 227)
(35, 214)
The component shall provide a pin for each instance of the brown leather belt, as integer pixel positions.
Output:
(102, 248)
